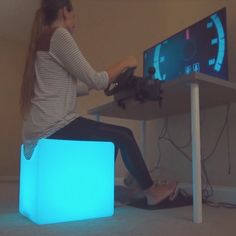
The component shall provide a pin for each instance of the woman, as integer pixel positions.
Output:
(55, 73)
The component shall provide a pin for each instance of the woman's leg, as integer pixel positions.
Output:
(85, 129)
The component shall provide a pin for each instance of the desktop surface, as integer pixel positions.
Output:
(176, 99)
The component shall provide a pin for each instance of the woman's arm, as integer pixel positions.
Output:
(113, 71)
(65, 50)
(82, 89)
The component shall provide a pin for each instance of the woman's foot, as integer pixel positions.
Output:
(156, 194)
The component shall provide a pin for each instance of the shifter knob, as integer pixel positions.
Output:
(151, 71)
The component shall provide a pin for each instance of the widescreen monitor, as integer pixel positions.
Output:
(201, 47)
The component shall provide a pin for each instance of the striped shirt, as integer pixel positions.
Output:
(62, 74)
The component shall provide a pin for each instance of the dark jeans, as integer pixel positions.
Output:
(85, 129)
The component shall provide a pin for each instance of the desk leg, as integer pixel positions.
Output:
(97, 117)
(143, 140)
(196, 154)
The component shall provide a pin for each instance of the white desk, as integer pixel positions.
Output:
(188, 93)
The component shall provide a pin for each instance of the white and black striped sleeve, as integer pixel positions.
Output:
(82, 89)
(65, 50)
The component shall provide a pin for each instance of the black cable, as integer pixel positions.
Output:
(178, 149)
(208, 190)
(220, 135)
(228, 143)
(188, 143)
(162, 134)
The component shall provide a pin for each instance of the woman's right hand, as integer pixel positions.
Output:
(123, 65)
(131, 62)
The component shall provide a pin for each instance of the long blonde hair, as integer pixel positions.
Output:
(29, 76)
(44, 17)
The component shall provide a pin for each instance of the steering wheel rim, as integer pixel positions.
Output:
(120, 82)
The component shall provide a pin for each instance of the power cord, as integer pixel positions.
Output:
(208, 190)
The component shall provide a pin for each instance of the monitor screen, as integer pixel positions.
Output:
(202, 47)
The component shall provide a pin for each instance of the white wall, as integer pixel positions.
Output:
(107, 31)
(11, 66)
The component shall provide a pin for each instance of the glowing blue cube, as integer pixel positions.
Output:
(67, 180)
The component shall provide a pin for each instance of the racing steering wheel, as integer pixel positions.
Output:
(121, 82)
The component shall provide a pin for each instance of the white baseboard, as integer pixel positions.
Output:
(221, 193)
(9, 179)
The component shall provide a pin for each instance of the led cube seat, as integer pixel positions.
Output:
(67, 180)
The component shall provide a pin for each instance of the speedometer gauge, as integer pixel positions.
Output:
(201, 48)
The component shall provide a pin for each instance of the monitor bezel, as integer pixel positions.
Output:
(173, 35)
